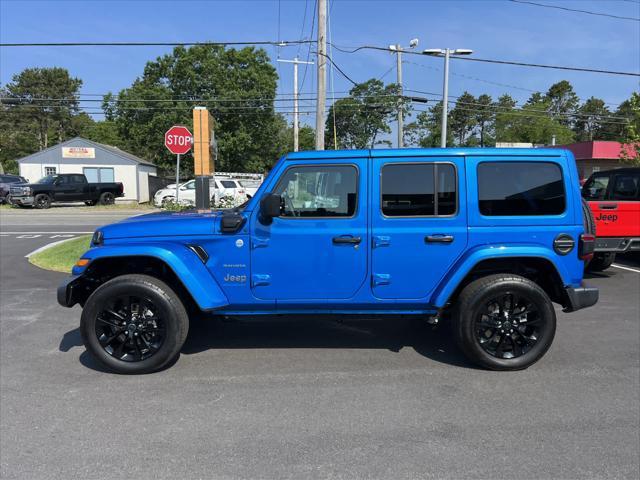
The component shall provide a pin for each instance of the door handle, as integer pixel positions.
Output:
(608, 206)
(347, 239)
(438, 238)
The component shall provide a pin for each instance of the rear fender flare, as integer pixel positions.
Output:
(464, 265)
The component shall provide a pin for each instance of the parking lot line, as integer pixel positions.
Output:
(625, 268)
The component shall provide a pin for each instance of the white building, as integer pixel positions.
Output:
(100, 163)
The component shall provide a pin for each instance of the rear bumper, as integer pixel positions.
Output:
(21, 200)
(581, 297)
(617, 244)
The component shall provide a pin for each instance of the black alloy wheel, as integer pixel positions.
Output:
(130, 328)
(107, 198)
(42, 200)
(134, 324)
(503, 322)
(509, 326)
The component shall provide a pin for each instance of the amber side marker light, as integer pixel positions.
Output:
(83, 262)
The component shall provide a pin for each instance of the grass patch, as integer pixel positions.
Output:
(61, 257)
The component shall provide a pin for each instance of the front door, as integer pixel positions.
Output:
(418, 224)
(317, 249)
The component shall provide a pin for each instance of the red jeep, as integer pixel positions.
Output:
(614, 199)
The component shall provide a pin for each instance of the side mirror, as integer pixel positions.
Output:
(270, 206)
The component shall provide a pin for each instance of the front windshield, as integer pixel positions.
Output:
(47, 179)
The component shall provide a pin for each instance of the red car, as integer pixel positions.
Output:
(614, 199)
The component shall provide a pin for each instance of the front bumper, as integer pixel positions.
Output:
(21, 200)
(68, 292)
(617, 244)
(581, 297)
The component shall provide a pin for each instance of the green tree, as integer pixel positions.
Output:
(563, 102)
(484, 117)
(364, 115)
(591, 120)
(504, 120)
(462, 118)
(426, 130)
(45, 100)
(630, 152)
(237, 86)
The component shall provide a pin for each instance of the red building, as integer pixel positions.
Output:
(596, 156)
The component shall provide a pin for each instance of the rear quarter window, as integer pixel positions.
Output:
(520, 189)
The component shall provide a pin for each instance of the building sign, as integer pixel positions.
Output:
(78, 152)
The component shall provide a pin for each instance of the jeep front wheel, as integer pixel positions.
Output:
(504, 322)
(42, 200)
(134, 324)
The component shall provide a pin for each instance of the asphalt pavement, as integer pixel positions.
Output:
(309, 398)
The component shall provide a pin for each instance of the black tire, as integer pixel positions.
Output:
(90, 203)
(107, 198)
(170, 330)
(527, 341)
(601, 261)
(42, 200)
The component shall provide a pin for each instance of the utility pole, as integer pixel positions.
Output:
(296, 115)
(322, 73)
(400, 113)
(398, 49)
(445, 52)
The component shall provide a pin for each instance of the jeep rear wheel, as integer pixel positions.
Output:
(134, 324)
(107, 198)
(504, 322)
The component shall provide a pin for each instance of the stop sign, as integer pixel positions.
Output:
(178, 139)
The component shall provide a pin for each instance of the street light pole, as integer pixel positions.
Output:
(400, 113)
(445, 100)
(296, 115)
(446, 52)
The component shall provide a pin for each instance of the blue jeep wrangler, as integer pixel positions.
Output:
(487, 239)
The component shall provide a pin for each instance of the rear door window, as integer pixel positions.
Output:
(408, 189)
(520, 189)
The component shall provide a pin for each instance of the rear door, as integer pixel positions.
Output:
(623, 209)
(316, 251)
(418, 223)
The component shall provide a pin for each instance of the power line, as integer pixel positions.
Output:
(302, 41)
(487, 60)
(281, 43)
(505, 85)
(588, 12)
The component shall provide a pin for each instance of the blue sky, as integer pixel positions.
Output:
(496, 29)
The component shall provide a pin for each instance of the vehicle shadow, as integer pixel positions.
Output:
(325, 332)
(208, 333)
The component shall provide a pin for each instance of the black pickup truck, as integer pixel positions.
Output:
(65, 187)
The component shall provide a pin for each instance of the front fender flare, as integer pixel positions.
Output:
(466, 263)
(186, 265)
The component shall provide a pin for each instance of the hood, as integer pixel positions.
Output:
(163, 224)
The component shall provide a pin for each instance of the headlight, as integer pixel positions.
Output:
(98, 238)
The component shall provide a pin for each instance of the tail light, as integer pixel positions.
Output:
(587, 246)
(121, 188)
